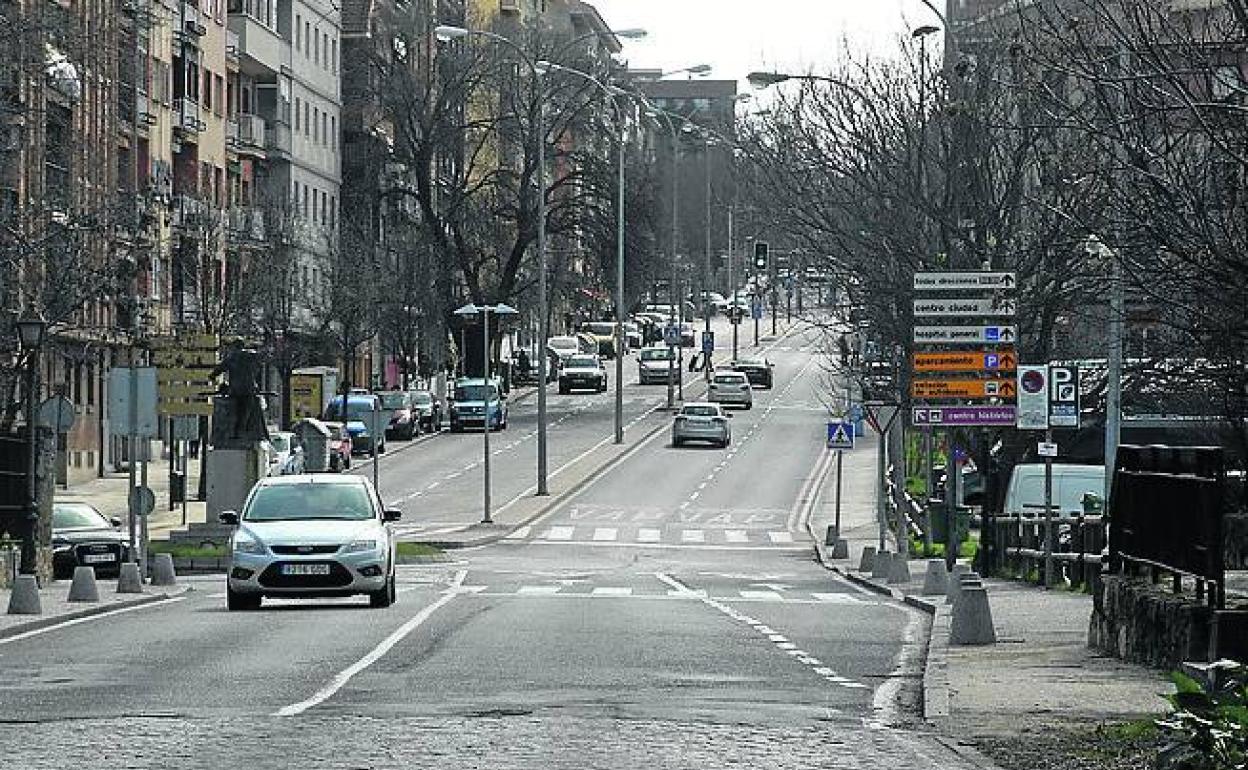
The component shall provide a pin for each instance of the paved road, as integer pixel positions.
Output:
(669, 614)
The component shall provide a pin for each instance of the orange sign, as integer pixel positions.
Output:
(993, 388)
(1004, 360)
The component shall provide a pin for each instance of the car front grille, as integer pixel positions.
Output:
(303, 550)
(272, 577)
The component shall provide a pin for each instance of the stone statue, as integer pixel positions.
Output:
(238, 419)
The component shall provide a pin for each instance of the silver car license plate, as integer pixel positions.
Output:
(96, 558)
(305, 569)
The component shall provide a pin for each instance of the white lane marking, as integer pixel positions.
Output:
(736, 536)
(646, 535)
(838, 598)
(679, 547)
(694, 496)
(559, 533)
(539, 590)
(605, 534)
(761, 596)
(346, 675)
(88, 619)
(611, 591)
(780, 537)
(684, 505)
(692, 536)
(520, 534)
(779, 640)
(434, 485)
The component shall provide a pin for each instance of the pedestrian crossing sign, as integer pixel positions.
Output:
(840, 435)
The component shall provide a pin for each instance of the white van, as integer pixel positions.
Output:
(1025, 494)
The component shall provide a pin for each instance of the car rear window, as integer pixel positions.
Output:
(701, 411)
(729, 379)
(295, 502)
(393, 401)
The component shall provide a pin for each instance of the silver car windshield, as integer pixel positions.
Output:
(302, 502)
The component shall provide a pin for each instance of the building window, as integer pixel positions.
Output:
(307, 112)
(316, 46)
(307, 38)
(324, 128)
(299, 33)
(333, 55)
(298, 108)
(325, 48)
(219, 85)
(305, 201)
(333, 132)
(333, 212)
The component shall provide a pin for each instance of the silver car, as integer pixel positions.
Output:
(730, 387)
(702, 422)
(308, 536)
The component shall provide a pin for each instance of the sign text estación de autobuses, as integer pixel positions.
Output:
(990, 388)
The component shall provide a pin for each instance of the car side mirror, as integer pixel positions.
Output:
(391, 514)
(228, 517)
(115, 521)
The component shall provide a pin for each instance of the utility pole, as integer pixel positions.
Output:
(733, 317)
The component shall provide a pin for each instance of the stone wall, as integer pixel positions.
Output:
(1136, 621)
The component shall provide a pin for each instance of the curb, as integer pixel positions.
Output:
(86, 612)
(555, 501)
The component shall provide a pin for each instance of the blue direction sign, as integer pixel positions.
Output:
(708, 342)
(756, 309)
(840, 435)
(671, 335)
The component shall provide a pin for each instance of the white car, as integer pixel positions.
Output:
(702, 422)
(655, 365)
(284, 453)
(311, 535)
(564, 346)
(730, 387)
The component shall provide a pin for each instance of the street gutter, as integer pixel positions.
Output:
(87, 612)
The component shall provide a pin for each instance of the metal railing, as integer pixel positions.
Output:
(1076, 545)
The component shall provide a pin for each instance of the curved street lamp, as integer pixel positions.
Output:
(611, 94)
(31, 330)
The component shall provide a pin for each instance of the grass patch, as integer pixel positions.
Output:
(1140, 729)
(968, 549)
(186, 550)
(417, 549)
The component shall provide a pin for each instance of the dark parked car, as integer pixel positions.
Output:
(82, 536)
(428, 410)
(757, 370)
(403, 420)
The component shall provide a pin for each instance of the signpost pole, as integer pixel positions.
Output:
(373, 432)
(132, 445)
(173, 461)
(143, 514)
(185, 479)
(927, 490)
(953, 474)
(1048, 512)
(840, 457)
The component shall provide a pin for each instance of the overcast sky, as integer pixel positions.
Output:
(738, 36)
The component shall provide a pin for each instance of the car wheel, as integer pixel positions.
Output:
(676, 442)
(384, 597)
(235, 600)
(749, 406)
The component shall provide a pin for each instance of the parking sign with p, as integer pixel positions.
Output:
(1063, 396)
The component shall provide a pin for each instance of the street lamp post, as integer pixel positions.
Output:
(30, 331)
(707, 143)
(470, 312)
(611, 93)
(445, 33)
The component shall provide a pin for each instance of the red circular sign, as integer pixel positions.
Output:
(1032, 381)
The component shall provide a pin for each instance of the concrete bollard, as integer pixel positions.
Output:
(899, 571)
(24, 599)
(129, 581)
(882, 565)
(972, 617)
(951, 585)
(840, 549)
(867, 559)
(163, 573)
(935, 580)
(84, 588)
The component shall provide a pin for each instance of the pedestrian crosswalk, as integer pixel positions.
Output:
(668, 536)
(583, 591)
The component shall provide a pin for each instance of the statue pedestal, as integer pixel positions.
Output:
(231, 475)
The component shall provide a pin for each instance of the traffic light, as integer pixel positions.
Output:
(760, 255)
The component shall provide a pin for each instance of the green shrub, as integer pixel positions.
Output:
(1208, 729)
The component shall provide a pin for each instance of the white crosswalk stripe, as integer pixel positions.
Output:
(761, 596)
(539, 590)
(736, 536)
(611, 591)
(780, 537)
(560, 533)
(692, 536)
(837, 598)
(646, 535)
(520, 534)
(605, 534)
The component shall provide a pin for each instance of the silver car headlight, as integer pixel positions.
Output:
(247, 544)
(359, 546)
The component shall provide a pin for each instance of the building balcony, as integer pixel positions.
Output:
(187, 213)
(232, 48)
(261, 51)
(231, 133)
(251, 133)
(186, 116)
(245, 225)
(278, 138)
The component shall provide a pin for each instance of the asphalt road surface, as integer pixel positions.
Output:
(670, 614)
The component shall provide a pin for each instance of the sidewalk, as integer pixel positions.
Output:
(109, 494)
(56, 610)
